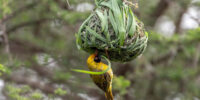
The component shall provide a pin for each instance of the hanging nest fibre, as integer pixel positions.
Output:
(114, 31)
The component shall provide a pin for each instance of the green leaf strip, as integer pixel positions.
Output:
(92, 72)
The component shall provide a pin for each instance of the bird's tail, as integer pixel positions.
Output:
(109, 94)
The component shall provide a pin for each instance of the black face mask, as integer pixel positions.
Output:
(97, 58)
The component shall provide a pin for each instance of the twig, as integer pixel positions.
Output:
(68, 5)
(196, 19)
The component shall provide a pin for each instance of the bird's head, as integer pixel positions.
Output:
(95, 57)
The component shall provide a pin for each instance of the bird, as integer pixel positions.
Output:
(103, 81)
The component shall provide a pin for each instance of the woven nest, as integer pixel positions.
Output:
(114, 31)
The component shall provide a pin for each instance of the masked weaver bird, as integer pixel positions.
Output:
(103, 81)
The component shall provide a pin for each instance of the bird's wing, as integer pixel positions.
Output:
(102, 81)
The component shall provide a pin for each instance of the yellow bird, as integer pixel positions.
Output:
(103, 81)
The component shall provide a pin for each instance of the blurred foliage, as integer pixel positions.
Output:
(4, 8)
(60, 92)
(43, 50)
(62, 76)
(169, 76)
(36, 96)
(2, 69)
(120, 84)
(16, 93)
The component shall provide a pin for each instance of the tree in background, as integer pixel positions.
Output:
(37, 46)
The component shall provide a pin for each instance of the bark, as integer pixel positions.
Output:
(162, 6)
(179, 21)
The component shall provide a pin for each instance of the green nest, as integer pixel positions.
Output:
(114, 31)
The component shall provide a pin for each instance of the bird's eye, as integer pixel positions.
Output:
(97, 59)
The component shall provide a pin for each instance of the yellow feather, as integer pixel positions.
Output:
(103, 81)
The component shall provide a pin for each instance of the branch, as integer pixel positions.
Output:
(24, 48)
(64, 5)
(166, 57)
(184, 8)
(196, 19)
(162, 6)
(179, 20)
(33, 22)
(18, 11)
